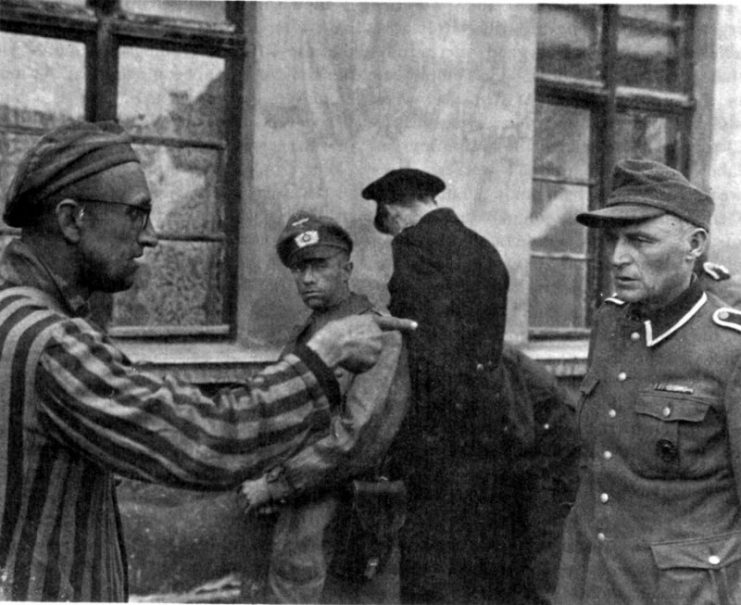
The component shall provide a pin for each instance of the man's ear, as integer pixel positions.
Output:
(698, 243)
(69, 218)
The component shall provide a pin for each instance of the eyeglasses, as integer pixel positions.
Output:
(139, 215)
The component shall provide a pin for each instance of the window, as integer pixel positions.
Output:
(612, 82)
(170, 72)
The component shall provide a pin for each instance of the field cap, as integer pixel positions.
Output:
(643, 189)
(307, 235)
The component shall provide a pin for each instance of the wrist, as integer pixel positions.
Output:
(278, 487)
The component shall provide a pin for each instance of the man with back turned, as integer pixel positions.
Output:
(453, 447)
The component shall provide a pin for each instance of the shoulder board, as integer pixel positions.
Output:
(715, 271)
(728, 317)
(615, 301)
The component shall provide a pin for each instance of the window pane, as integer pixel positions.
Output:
(642, 135)
(43, 80)
(208, 10)
(660, 13)
(569, 40)
(561, 146)
(558, 293)
(648, 56)
(171, 94)
(181, 284)
(552, 225)
(184, 187)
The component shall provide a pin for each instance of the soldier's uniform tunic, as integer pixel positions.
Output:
(658, 517)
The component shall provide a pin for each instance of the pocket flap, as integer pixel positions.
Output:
(672, 408)
(698, 553)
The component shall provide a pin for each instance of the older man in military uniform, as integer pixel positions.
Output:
(657, 517)
(453, 449)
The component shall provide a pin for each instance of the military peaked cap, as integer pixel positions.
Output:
(642, 189)
(308, 235)
(403, 184)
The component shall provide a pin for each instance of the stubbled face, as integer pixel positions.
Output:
(651, 260)
(323, 283)
(114, 235)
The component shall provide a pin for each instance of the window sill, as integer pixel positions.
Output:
(200, 362)
(563, 358)
(204, 363)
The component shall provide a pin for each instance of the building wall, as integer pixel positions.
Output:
(724, 165)
(345, 92)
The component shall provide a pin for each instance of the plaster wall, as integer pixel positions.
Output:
(344, 92)
(724, 173)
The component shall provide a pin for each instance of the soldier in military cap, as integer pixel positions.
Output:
(453, 448)
(306, 487)
(657, 517)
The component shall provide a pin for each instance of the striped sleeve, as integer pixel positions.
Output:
(160, 429)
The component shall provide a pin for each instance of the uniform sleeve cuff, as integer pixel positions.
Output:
(324, 375)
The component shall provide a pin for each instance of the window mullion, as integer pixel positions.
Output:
(102, 72)
(599, 279)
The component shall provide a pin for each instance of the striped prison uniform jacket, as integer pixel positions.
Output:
(73, 411)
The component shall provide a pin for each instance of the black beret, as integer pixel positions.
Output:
(308, 235)
(642, 189)
(403, 184)
(60, 158)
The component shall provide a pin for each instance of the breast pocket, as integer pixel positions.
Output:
(672, 433)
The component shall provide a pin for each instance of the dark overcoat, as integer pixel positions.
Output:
(452, 444)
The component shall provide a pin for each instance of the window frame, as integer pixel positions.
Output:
(103, 27)
(604, 98)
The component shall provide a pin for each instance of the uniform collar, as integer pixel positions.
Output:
(662, 323)
(355, 304)
(22, 266)
(438, 214)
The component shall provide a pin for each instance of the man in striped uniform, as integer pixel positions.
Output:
(73, 409)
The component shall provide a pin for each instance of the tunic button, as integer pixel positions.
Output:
(635, 336)
(713, 559)
(601, 537)
(612, 413)
(607, 455)
(622, 376)
(604, 498)
(667, 411)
